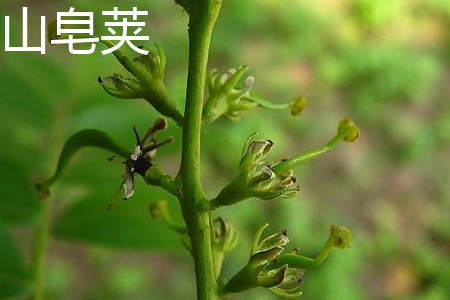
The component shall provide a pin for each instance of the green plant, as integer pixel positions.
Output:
(207, 239)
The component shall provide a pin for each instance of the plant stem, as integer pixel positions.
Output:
(303, 262)
(299, 159)
(202, 20)
(41, 236)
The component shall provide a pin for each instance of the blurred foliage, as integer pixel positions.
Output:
(385, 63)
(13, 272)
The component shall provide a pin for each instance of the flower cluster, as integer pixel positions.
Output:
(257, 178)
(228, 100)
(258, 272)
(225, 98)
(147, 82)
(282, 273)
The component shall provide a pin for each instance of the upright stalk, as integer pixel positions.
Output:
(202, 20)
(41, 237)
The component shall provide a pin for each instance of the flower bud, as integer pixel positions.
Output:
(258, 272)
(341, 236)
(154, 63)
(148, 71)
(271, 278)
(278, 186)
(255, 154)
(225, 98)
(254, 274)
(160, 124)
(225, 237)
(120, 87)
(298, 106)
(291, 284)
(256, 178)
(348, 130)
(224, 240)
(279, 239)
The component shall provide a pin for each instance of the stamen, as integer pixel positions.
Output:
(160, 124)
(136, 134)
(155, 146)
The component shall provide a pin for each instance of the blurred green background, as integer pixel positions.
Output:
(385, 63)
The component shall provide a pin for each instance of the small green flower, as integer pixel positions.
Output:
(262, 180)
(225, 98)
(147, 76)
(258, 273)
(228, 100)
(147, 82)
(279, 239)
(256, 178)
(282, 273)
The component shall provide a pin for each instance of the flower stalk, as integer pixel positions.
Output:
(201, 23)
(346, 131)
(208, 240)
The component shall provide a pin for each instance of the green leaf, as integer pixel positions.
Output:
(127, 226)
(18, 201)
(82, 139)
(13, 272)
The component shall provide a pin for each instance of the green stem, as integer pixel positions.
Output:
(202, 20)
(41, 237)
(155, 176)
(298, 159)
(233, 193)
(303, 262)
(261, 101)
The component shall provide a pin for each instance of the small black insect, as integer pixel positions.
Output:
(140, 161)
